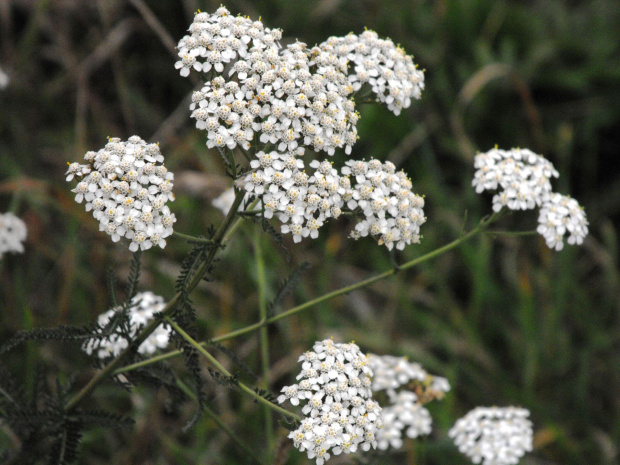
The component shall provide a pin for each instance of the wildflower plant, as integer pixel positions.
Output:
(276, 115)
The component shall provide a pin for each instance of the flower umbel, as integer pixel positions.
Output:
(340, 415)
(494, 436)
(406, 412)
(127, 186)
(391, 74)
(522, 177)
(562, 215)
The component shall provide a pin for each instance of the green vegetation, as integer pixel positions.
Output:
(505, 319)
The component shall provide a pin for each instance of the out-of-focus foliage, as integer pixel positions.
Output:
(506, 320)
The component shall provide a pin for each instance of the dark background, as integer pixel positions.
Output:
(505, 319)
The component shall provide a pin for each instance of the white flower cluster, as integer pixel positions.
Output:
(522, 176)
(303, 202)
(523, 179)
(393, 214)
(340, 415)
(12, 233)
(143, 308)
(494, 436)
(216, 39)
(406, 412)
(392, 372)
(127, 186)
(296, 97)
(559, 215)
(390, 72)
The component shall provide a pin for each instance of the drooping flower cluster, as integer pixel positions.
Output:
(393, 214)
(493, 435)
(558, 216)
(386, 68)
(144, 307)
(523, 179)
(340, 415)
(12, 233)
(127, 186)
(292, 98)
(406, 412)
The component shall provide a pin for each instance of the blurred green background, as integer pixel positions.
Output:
(506, 320)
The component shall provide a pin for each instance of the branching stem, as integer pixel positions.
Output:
(219, 238)
(484, 223)
(220, 367)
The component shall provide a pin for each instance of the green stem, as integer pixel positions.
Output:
(511, 233)
(220, 423)
(187, 237)
(220, 367)
(218, 238)
(250, 212)
(330, 295)
(264, 336)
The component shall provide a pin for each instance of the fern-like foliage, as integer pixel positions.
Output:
(48, 434)
(185, 316)
(60, 333)
(223, 380)
(286, 287)
(159, 376)
(235, 359)
(275, 235)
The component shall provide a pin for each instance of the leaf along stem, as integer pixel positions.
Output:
(189, 393)
(219, 238)
(220, 367)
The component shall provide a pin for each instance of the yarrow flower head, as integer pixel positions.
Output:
(524, 181)
(494, 435)
(340, 415)
(127, 187)
(143, 308)
(287, 98)
(393, 213)
(290, 99)
(304, 202)
(522, 177)
(12, 233)
(391, 74)
(562, 215)
(405, 413)
(219, 38)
